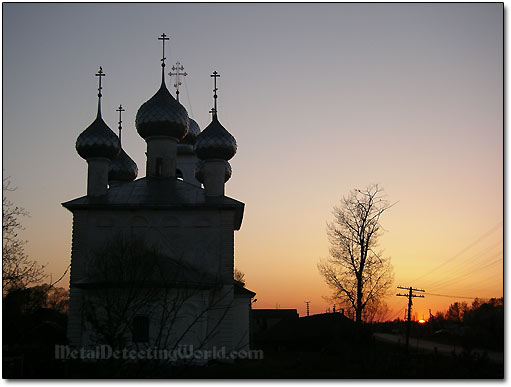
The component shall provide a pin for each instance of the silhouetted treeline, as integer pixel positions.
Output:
(478, 325)
(34, 320)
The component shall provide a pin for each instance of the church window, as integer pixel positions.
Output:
(159, 166)
(141, 329)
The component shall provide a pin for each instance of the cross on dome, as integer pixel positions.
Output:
(120, 110)
(100, 74)
(163, 37)
(215, 75)
(177, 68)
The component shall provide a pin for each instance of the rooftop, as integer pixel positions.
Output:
(157, 193)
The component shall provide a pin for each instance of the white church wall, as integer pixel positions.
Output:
(202, 238)
(186, 165)
(241, 314)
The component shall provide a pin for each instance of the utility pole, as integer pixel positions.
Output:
(410, 295)
(307, 302)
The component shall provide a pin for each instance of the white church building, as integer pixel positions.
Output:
(152, 259)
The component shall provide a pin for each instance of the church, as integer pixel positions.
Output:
(152, 259)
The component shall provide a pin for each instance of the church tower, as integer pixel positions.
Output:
(186, 157)
(98, 145)
(122, 169)
(214, 146)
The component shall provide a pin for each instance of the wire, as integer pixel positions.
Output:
(471, 270)
(396, 315)
(449, 260)
(188, 96)
(476, 257)
(482, 266)
(445, 295)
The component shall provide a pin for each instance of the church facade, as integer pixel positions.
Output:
(152, 258)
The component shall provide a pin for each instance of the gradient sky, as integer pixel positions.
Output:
(322, 98)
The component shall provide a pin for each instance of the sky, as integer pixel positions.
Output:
(321, 98)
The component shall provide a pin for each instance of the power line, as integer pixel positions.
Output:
(445, 295)
(188, 96)
(476, 258)
(478, 284)
(396, 315)
(461, 252)
(463, 277)
(473, 269)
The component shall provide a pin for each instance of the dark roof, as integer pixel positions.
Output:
(240, 289)
(317, 328)
(274, 313)
(157, 193)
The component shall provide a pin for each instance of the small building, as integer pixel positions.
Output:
(265, 319)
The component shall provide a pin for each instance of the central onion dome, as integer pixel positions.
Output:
(162, 115)
(98, 140)
(122, 168)
(215, 142)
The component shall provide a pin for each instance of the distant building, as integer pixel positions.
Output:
(265, 319)
(185, 293)
(283, 329)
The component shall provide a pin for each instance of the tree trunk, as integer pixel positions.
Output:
(358, 309)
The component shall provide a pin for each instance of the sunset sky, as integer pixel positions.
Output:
(321, 98)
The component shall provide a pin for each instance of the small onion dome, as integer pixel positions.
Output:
(215, 142)
(193, 132)
(122, 168)
(185, 146)
(162, 115)
(98, 140)
(199, 171)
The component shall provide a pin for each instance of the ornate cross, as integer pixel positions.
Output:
(99, 74)
(163, 38)
(177, 68)
(120, 110)
(215, 75)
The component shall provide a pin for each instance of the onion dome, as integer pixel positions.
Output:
(193, 132)
(162, 115)
(199, 171)
(98, 140)
(185, 146)
(122, 168)
(215, 142)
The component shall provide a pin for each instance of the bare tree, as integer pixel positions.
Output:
(377, 312)
(359, 276)
(239, 276)
(18, 270)
(129, 278)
